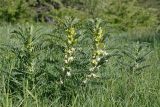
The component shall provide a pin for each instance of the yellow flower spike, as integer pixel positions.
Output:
(69, 51)
(98, 51)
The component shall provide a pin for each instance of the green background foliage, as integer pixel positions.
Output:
(121, 14)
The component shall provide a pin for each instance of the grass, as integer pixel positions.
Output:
(119, 87)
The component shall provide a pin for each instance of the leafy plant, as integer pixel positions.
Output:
(99, 54)
(135, 57)
(25, 47)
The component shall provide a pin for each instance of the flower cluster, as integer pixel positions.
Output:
(69, 51)
(98, 52)
(92, 75)
(98, 35)
(71, 36)
(69, 55)
(97, 56)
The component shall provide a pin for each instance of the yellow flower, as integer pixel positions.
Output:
(94, 62)
(98, 59)
(93, 75)
(105, 53)
(63, 69)
(73, 31)
(70, 51)
(68, 74)
(99, 52)
(100, 32)
(70, 59)
(61, 82)
(69, 42)
(73, 49)
(94, 56)
(66, 61)
(65, 56)
(92, 69)
(85, 81)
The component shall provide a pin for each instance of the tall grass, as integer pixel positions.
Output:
(36, 69)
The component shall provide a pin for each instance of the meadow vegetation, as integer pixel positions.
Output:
(77, 53)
